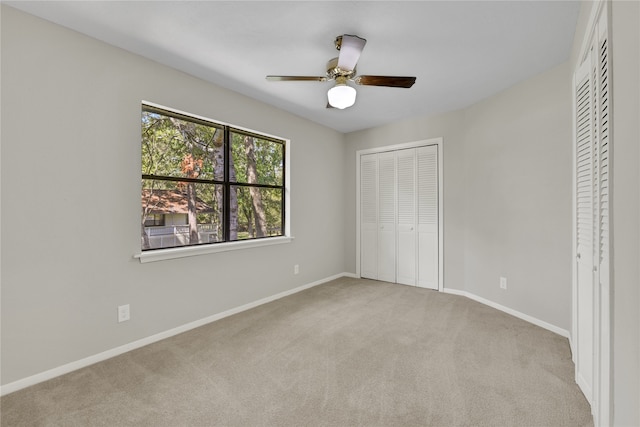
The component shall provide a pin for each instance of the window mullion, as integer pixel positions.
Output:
(227, 186)
(180, 179)
(284, 195)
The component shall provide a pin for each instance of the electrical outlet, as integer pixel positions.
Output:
(296, 269)
(503, 283)
(123, 313)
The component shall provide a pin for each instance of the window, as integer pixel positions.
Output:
(154, 220)
(207, 183)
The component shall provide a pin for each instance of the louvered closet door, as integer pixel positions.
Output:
(427, 221)
(369, 216)
(603, 151)
(601, 69)
(399, 221)
(406, 226)
(585, 186)
(387, 217)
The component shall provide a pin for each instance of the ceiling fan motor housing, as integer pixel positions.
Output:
(333, 71)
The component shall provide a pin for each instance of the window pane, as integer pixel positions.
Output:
(179, 148)
(258, 212)
(191, 214)
(256, 161)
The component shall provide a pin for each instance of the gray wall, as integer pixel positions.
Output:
(626, 212)
(518, 194)
(507, 194)
(71, 201)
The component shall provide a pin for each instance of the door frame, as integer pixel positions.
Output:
(415, 144)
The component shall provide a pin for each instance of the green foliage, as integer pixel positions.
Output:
(166, 141)
(269, 159)
(272, 205)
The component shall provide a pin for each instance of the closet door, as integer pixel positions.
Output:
(369, 216)
(584, 187)
(387, 216)
(602, 383)
(428, 221)
(399, 216)
(406, 225)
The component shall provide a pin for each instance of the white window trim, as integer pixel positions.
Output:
(187, 251)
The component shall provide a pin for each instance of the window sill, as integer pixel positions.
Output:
(164, 254)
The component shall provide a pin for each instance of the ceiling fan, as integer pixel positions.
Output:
(343, 69)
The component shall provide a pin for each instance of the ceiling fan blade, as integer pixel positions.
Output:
(390, 81)
(350, 50)
(297, 78)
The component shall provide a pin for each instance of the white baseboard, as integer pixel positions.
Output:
(585, 388)
(78, 364)
(510, 311)
(573, 352)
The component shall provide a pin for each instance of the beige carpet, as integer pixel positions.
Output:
(347, 353)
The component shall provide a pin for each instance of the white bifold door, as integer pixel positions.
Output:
(591, 293)
(399, 216)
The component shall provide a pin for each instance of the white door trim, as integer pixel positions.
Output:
(415, 144)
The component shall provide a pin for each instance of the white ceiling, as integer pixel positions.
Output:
(460, 51)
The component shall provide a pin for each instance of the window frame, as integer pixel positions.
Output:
(158, 254)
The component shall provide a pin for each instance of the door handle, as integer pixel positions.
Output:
(578, 256)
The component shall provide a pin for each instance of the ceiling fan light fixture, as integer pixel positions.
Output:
(341, 96)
